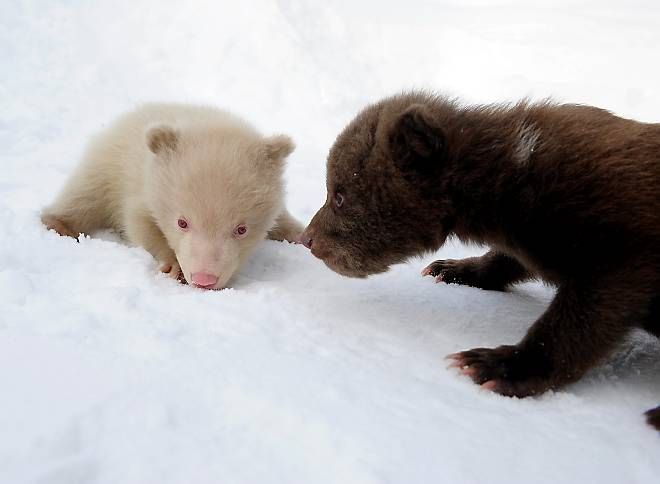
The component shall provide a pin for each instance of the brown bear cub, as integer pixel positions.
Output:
(566, 193)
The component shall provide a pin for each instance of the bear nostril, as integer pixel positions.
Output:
(306, 241)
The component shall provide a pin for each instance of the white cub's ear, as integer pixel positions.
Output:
(162, 138)
(279, 146)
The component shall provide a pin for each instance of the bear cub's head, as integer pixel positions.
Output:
(385, 188)
(214, 192)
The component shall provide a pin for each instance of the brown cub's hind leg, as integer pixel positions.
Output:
(653, 417)
(493, 271)
(286, 228)
(652, 325)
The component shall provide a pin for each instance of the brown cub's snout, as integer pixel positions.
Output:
(315, 240)
(309, 239)
(306, 238)
(312, 234)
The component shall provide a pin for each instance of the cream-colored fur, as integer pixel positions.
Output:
(165, 162)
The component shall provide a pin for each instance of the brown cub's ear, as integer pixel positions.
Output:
(416, 141)
(279, 146)
(162, 138)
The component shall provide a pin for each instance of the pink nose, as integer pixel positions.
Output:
(204, 279)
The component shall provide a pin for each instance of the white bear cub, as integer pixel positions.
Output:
(195, 186)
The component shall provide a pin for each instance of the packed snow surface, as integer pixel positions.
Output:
(110, 372)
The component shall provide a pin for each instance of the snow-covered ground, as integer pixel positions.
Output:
(111, 373)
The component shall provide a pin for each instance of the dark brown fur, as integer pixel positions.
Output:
(566, 193)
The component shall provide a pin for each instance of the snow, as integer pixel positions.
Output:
(110, 372)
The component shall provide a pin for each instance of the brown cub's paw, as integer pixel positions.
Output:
(452, 271)
(653, 417)
(506, 370)
(53, 223)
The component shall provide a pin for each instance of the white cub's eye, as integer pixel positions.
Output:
(182, 223)
(240, 231)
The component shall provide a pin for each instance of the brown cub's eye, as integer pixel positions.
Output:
(182, 223)
(339, 199)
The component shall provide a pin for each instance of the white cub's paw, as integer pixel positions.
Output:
(172, 269)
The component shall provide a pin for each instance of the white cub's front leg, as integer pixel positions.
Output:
(286, 228)
(141, 229)
(172, 269)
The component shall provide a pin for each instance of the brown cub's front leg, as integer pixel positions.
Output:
(580, 327)
(492, 271)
